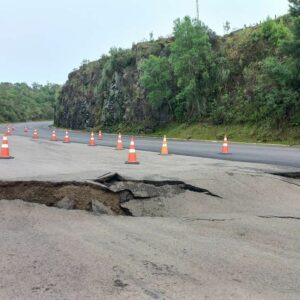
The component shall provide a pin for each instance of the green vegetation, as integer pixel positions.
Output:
(191, 58)
(20, 102)
(236, 132)
(158, 79)
(245, 133)
(247, 80)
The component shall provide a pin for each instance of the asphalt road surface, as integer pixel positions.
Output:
(179, 244)
(275, 155)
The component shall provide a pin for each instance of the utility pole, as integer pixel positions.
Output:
(197, 4)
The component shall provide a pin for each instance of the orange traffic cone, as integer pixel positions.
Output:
(119, 143)
(225, 148)
(53, 136)
(4, 149)
(132, 159)
(92, 140)
(25, 129)
(35, 135)
(8, 132)
(100, 135)
(164, 148)
(67, 138)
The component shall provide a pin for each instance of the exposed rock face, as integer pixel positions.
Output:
(107, 92)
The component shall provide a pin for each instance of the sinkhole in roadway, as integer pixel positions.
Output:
(110, 194)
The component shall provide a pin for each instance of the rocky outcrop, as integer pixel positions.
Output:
(107, 92)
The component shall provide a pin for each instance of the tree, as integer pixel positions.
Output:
(292, 46)
(157, 79)
(84, 62)
(191, 60)
(226, 27)
(295, 44)
(151, 36)
(295, 7)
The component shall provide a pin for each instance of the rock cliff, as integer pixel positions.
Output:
(107, 92)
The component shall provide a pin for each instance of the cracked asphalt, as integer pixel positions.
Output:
(243, 245)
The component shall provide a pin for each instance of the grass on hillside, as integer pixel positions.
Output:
(235, 133)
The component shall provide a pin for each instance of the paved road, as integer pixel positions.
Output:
(276, 155)
(244, 245)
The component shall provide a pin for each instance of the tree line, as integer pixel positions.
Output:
(21, 102)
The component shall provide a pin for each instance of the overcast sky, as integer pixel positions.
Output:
(43, 40)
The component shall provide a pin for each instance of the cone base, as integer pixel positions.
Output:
(66, 142)
(92, 145)
(132, 163)
(6, 157)
(225, 153)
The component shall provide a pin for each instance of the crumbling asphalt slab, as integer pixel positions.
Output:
(243, 244)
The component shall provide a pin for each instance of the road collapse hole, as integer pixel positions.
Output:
(108, 194)
(87, 196)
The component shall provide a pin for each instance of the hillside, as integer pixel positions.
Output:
(21, 102)
(248, 77)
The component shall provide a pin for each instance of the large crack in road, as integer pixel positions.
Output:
(111, 194)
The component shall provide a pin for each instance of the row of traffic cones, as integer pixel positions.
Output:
(66, 138)
(132, 156)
